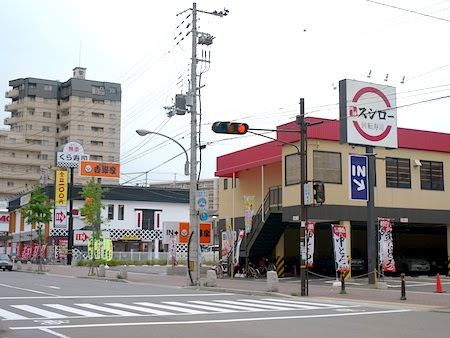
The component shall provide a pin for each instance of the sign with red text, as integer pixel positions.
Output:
(61, 187)
(60, 217)
(368, 114)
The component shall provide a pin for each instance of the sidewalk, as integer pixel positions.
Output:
(157, 275)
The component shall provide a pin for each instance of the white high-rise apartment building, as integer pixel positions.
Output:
(47, 114)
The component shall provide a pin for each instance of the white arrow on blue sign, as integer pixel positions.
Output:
(359, 189)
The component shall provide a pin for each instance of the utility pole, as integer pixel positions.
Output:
(194, 256)
(303, 208)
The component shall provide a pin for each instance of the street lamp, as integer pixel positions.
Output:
(143, 132)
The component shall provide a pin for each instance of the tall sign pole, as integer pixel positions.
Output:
(193, 220)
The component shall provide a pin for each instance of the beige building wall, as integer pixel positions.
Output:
(250, 182)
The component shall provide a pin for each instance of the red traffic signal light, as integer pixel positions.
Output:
(229, 127)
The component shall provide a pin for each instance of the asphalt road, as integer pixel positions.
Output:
(33, 305)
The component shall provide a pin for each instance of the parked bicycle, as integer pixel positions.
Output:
(218, 268)
(264, 266)
(250, 271)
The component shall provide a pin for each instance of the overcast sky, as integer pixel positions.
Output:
(266, 55)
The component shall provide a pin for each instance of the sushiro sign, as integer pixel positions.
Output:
(368, 114)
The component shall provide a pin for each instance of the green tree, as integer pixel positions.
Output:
(92, 193)
(38, 211)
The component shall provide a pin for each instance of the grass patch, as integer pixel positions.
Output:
(295, 294)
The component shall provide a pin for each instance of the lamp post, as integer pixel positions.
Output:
(143, 132)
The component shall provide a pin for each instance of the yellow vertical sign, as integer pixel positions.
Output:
(61, 187)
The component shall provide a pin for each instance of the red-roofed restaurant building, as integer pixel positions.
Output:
(411, 189)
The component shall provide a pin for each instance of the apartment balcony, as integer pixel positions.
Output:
(64, 118)
(65, 105)
(12, 94)
(13, 106)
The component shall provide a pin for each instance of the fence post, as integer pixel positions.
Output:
(403, 297)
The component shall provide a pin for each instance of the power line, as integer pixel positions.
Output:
(409, 10)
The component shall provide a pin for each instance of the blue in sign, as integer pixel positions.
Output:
(202, 202)
(358, 178)
(204, 216)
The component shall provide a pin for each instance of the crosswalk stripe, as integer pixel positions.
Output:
(174, 308)
(108, 310)
(291, 305)
(74, 310)
(141, 308)
(201, 307)
(315, 305)
(229, 306)
(10, 315)
(256, 306)
(39, 312)
(262, 304)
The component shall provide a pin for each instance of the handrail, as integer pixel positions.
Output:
(272, 199)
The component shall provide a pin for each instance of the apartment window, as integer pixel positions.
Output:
(11, 140)
(97, 143)
(98, 101)
(431, 175)
(98, 90)
(98, 115)
(112, 130)
(44, 157)
(13, 154)
(32, 86)
(31, 112)
(80, 113)
(110, 158)
(47, 114)
(80, 142)
(113, 90)
(32, 98)
(29, 126)
(111, 145)
(110, 211)
(327, 167)
(10, 184)
(225, 184)
(112, 103)
(48, 101)
(48, 88)
(97, 129)
(81, 99)
(45, 143)
(80, 127)
(121, 212)
(96, 157)
(112, 116)
(398, 173)
(45, 128)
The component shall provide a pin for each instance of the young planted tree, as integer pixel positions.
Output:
(92, 194)
(38, 211)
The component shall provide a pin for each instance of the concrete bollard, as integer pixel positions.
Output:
(272, 281)
(19, 265)
(29, 267)
(212, 278)
(101, 271)
(123, 271)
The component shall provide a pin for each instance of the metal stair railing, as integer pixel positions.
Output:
(272, 201)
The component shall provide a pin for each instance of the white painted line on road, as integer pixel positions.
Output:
(10, 315)
(107, 310)
(74, 310)
(238, 306)
(28, 290)
(322, 305)
(49, 286)
(169, 307)
(201, 307)
(263, 304)
(141, 309)
(38, 311)
(211, 321)
(121, 296)
(53, 333)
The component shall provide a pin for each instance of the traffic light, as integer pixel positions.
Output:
(319, 192)
(230, 128)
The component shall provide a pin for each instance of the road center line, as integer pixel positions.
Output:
(28, 290)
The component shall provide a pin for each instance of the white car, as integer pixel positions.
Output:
(5, 262)
(411, 264)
